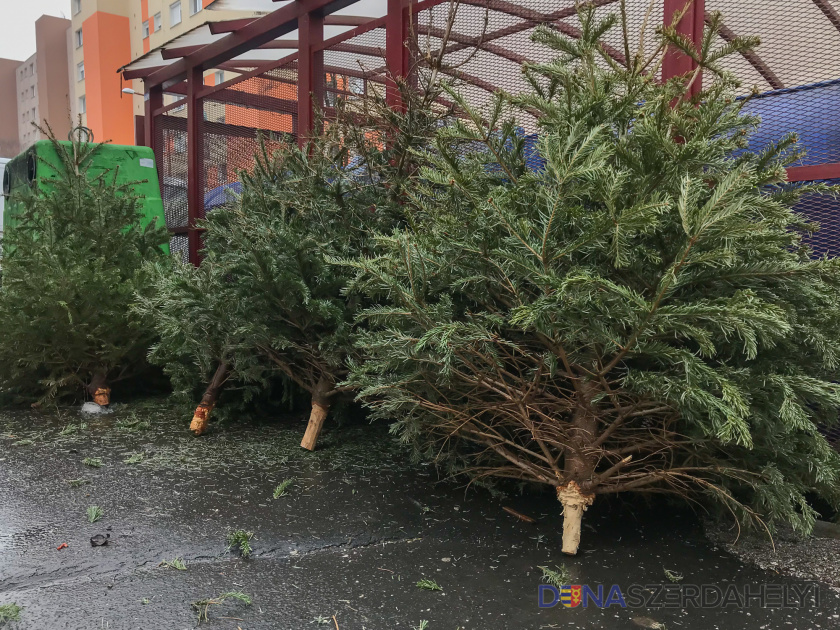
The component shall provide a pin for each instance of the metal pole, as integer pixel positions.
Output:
(153, 102)
(691, 25)
(310, 73)
(195, 165)
(396, 54)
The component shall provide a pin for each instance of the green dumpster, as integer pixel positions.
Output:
(136, 164)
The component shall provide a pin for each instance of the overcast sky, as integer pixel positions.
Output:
(17, 24)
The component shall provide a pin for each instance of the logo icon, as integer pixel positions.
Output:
(570, 595)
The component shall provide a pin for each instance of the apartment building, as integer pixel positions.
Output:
(36, 90)
(100, 42)
(9, 140)
(107, 34)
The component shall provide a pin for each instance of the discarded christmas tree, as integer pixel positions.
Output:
(638, 313)
(266, 300)
(69, 274)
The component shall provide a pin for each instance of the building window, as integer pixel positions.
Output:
(80, 71)
(158, 22)
(77, 6)
(32, 92)
(79, 39)
(146, 29)
(195, 6)
(219, 77)
(175, 13)
(82, 104)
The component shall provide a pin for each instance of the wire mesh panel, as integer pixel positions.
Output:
(823, 209)
(171, 155)
(481, 49)
(486, 42)
(179, 246)
(795, 69)
(235, 117)
(799, 41)
(811, 112)
(353, 69)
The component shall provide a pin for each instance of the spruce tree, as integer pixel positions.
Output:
(637, 313)
(69, 274)
(266, 301)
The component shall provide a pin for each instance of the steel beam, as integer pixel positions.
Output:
(690, 25)
(396, 53)
(310, 72)
(252, 35)
(153, 102)
(813, 173)
(195, 163)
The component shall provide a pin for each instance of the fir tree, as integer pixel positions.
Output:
(266, 300)
(639, 313)
(69, 274)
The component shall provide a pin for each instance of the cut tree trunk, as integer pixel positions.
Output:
(321, 403)
(575, 502)
(99, 390)
(579, 465)
(201, 418)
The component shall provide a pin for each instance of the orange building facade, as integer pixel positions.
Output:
(110, 113)
(100, 42)
(106, 35)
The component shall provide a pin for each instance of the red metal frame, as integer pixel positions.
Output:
(397, 22)
(185, 76)
(812, 173)
(153, 102)
(691, 25)
(195, 163)
(310, 71)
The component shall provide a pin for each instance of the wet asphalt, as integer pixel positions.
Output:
(343, 549)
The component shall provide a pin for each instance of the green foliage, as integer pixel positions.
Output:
(280, 490)
(557, 577)
(428, 585)
(70, 271)
(202, 606)
(10, 612)
(266, 300)
(72, 429)
(176, 563)
(93, 462)
(136, 458)
(241, 540)
(638, 314)
(94, 513)
(132, 424)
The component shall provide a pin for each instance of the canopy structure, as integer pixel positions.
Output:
(226, 81)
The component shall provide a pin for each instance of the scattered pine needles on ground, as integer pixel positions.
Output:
(241, 540)
(94, 513)
(202, 606)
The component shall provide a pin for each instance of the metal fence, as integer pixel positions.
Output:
(225, 93)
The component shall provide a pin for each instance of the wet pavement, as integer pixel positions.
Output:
(359, 526)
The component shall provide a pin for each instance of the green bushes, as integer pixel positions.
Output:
(69, 275)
